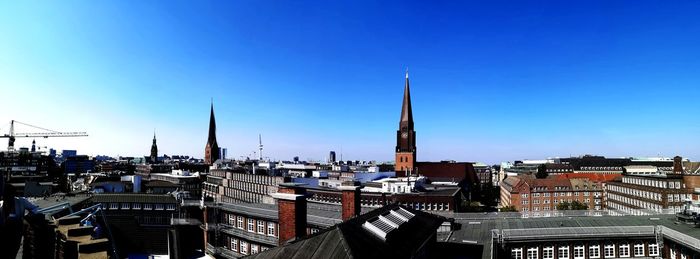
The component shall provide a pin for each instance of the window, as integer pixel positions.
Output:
(159, 206)
(136, 206)
(563, 252)
(251, 225)
(253, 249)
(234, 244)
(624, 250)
(244, 247)
(261, 227)
(579, 252)
(240, 222)
(270, 228)
(639, 249)
(231, 220)
(170, 207)
(653, 249)
(532, 253)
(594, 251)
(548, 252)
(516, 253)
(148, 206)
(113, 206)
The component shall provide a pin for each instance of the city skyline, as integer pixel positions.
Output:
(539, 81)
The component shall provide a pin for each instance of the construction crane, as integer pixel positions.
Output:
(49, 133)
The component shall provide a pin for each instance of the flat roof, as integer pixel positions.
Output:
(478, 228)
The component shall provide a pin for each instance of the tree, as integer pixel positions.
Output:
(541, 172)
(510, 208)
(575, 205)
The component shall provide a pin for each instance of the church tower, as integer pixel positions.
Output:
(406, 137)
(154, 150)
(211, 150)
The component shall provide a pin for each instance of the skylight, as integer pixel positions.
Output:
(387, 222)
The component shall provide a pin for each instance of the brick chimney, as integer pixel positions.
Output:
(678, 165)
(350, 198)
(291, 209)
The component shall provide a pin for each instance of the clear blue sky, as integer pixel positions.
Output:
(491, 81)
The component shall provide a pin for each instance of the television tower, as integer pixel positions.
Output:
(260, 146)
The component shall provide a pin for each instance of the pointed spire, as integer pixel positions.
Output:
(212, 125)
(154, 135)
(406, 110)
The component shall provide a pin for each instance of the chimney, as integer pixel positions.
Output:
(350, 198)
(678, 165)
(291, 209)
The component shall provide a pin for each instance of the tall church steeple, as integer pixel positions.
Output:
(211, 150)
(154, 149)
(406, 136)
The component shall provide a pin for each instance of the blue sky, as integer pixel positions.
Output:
(491, 81)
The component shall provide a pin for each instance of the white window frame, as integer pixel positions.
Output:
(563, 252)
(639, 249)
(254, 248)
(533, 253)
(148, 206)
(114, 206)
(594, 251)
(579, 249)
(251, 225)
(271, 229)
(170, 206)
(234, 244)
(653, 249)
(548, 252)
(261, 227)
(239, 222)
(624, 250)
(516, 253)
(609, 248)
(244, 247)
(136, 206)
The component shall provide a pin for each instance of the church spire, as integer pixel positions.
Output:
(211, 150)
(154, 149)
(406, 110)
(212, 126)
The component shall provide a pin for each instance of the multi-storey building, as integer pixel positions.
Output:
(642, 189)
(541, 196)
(232, 186)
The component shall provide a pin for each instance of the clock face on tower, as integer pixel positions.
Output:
(404, 134)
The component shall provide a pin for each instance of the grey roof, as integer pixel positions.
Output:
(350, 239)
(318, 214)
(478, 227)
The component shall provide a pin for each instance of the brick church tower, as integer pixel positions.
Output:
(406, 137)
(211, 150)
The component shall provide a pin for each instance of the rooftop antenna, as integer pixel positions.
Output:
(260, 146)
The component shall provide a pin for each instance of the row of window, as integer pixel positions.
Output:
(652, 182)
(243, 195)
(244, 247)
(610, 250)
(253, 225)
(251, 187)
(557, 194)
(254, 178)
(140, 206)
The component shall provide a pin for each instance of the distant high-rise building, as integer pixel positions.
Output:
(296, 159)
(223, 153)
(68, 153)
(211, 150)
(331, 157)
(154, 150)
(406, 136)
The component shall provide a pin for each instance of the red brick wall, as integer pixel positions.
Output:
(407, 164)
(351, 204)
(292, 219)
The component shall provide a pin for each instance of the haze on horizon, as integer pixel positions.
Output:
(490, 82)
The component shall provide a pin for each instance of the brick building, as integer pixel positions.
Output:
(541, 196)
